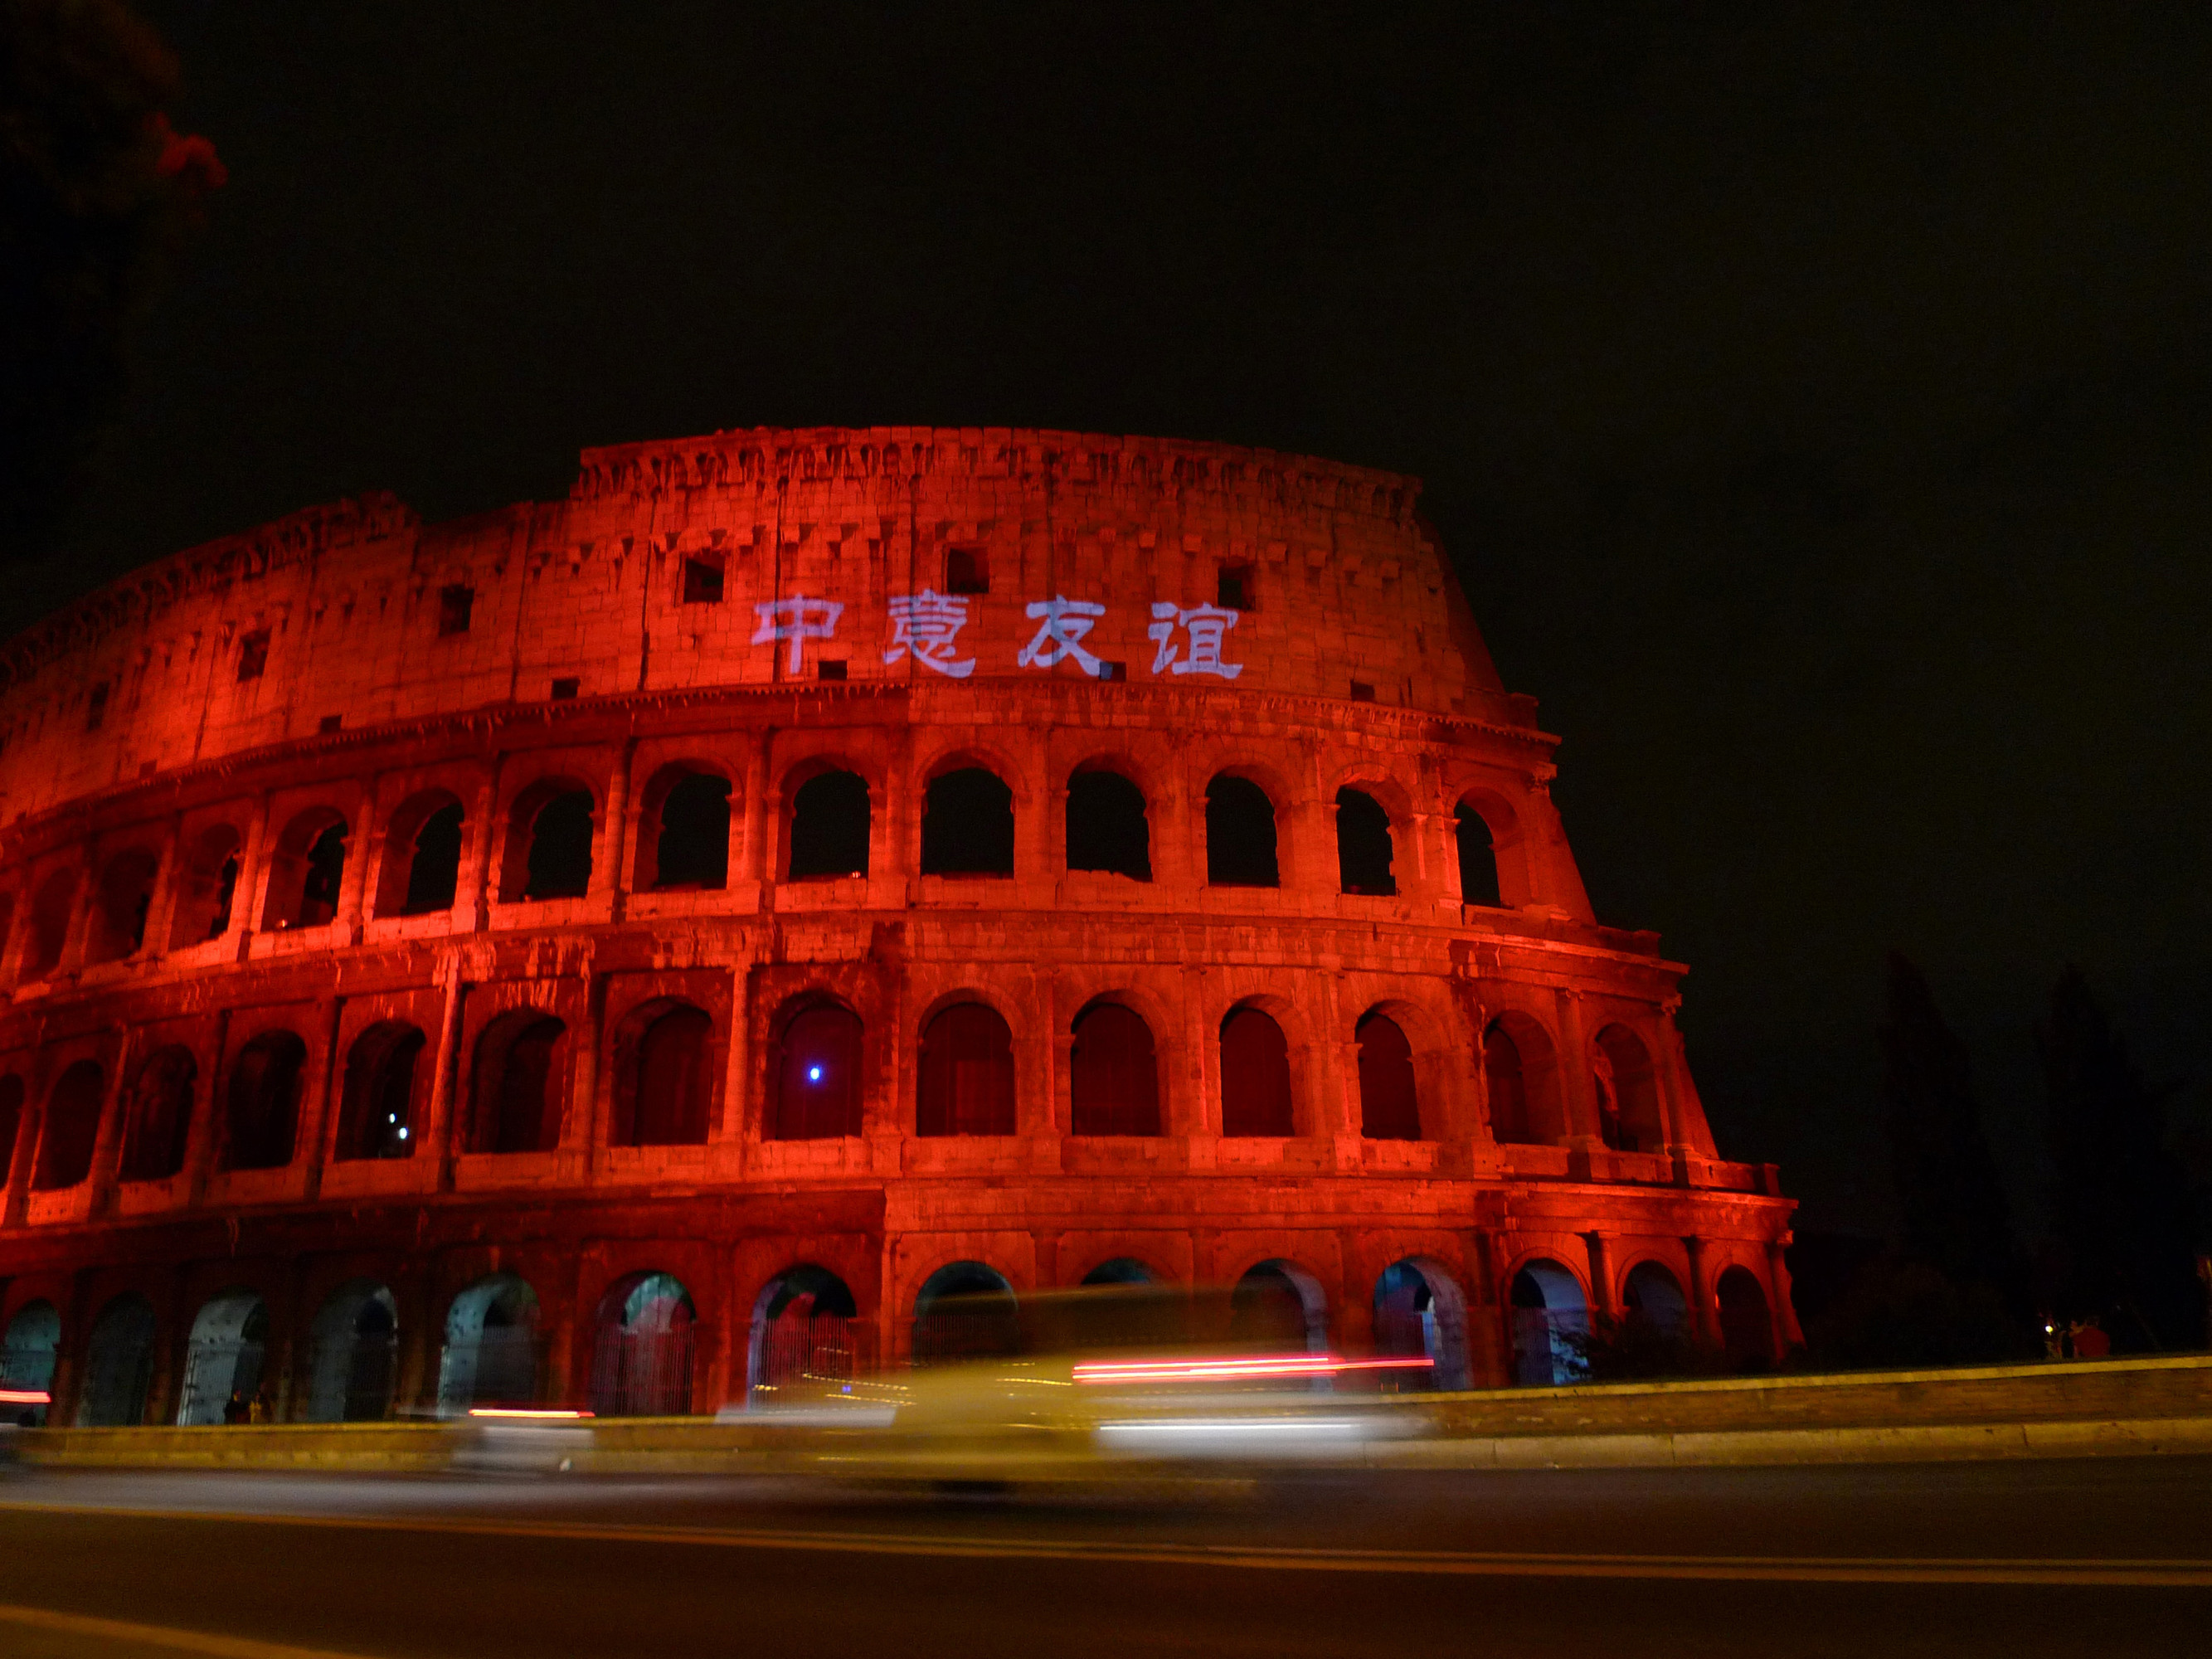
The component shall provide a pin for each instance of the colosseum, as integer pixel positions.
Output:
(621, 953)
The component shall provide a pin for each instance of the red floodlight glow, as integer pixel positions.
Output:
(518, 1413)
(1240, 1368)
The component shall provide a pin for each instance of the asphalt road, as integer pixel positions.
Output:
(2102, 1558)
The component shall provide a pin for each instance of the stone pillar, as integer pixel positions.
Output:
(1788, 1333)
(1603, 1303)
(79, 919)
(250, 892)
(444, 1136)
(1577, 1088)
(317, 1120)
(204, 1140)
(18, 1190)
(160, 915)
(355, 877)
(1704, 1309)
(749, 858)
(472, 902)
(609, 880)
(107, 1150)
(1175, 822)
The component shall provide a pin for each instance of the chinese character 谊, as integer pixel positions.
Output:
(1205, 624)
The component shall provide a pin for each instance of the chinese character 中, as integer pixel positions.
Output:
(925, 623)
(798, 621)
(1205, 624)
(1061, 626)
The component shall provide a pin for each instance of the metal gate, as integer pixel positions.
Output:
(643, 1373)
(214, 1372)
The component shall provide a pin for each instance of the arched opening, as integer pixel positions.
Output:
(516, 1106)
(1524, 1089)
(817, 1074)
(827, 835)
(72, 1128)
(223, 1362)
(116, 927)
(376, 1114)
(264, 1102)
(28, 1353)
(1478, 858)
(306, 871)
(964, 1084)
(1551, 1326)
(50, 904)
(1420, 1312)
(1256, 1075)
(1363, 852)
(207, 886)
(968, 825)
(664, 1091)
(642, 1362)
(1747, 1321)
(353, 1355)
(549, 843)
(1278, 1305)
(160, 1124)
(805, 1331)
(964, 1310)
(1653, 1297)
(1240, 834)
(684, 844)
(1106, 826)
(1389, 1100)
(1627, 1092)
(119, 1366)
(490, 1356)
(1121, 1270)
(421, 856)
(11, 1120)
(1114, 1077)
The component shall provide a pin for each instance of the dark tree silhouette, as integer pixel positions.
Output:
(97, 194)
(1957, 1219)
(2121, 1213)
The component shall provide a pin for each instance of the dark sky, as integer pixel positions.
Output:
(1819, 404)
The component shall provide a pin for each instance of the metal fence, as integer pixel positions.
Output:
(823, 1348)
(643, 1373)
(496, 1368)
(1550, 1348)
(349, 1378)
(214, 1372)
(989, 1332)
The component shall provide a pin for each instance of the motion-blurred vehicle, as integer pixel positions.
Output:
(1105, 1381)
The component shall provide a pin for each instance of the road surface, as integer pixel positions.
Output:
(2104, 1557)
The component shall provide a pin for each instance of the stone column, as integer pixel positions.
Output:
(472, 902)
(162, 913)
(1788, 1333)
(355, 877)
(1704, 1311)
(1602, 1300)
(444, 1136)
(204, 1139)
(749, 858)
(251, 891)
(107, 1150)
(1577, 1090)
(609, 880)
(317, 1121)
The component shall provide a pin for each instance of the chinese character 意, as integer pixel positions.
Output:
(1061, 625)
(1205, 624)
(925, 623)
(798, 621)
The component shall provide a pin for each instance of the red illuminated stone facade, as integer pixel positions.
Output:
(616, 951)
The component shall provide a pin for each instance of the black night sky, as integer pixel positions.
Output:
(1818, 402)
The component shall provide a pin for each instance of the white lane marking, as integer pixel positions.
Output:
(158, 1635)
(2180, 1573)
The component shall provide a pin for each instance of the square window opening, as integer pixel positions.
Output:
(966, 570)
(1233, 588)
(830, 668)
(563, 690)
(253, 654)
(1362, 691)
(702, 581)
(455, 605)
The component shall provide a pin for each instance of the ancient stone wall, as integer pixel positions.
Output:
(359, 931)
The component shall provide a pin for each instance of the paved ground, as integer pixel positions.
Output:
(2103, 1558)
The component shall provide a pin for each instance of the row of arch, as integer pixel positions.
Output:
(804, 1325)
(665, 1067)
(549, 831)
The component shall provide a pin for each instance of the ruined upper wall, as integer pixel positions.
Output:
(825, 531)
